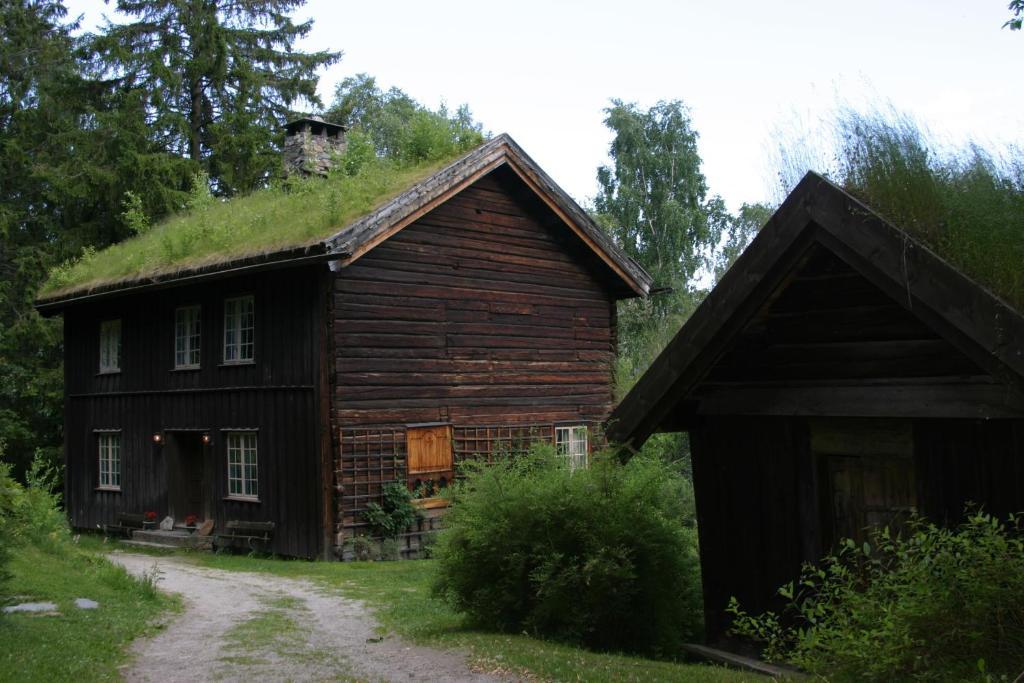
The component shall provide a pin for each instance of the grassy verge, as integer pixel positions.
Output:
(400, 594)
(78, 644)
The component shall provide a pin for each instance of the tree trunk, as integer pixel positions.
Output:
(195, 116)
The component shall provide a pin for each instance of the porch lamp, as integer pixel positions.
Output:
(158, 438)
(206, 438)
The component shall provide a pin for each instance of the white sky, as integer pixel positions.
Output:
(543, 71)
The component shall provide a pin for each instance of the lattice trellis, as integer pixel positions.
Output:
(489, 441)
(368, 459)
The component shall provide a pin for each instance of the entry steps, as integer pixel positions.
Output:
(170, 540)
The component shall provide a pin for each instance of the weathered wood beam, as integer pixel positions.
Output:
(946, 400)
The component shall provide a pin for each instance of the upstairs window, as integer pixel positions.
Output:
(110, 461)
(243, 481)
(110, 346)
(572, 444)
(187, 334)
(239, 325)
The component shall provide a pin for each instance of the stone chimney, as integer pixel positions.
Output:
(310, 145)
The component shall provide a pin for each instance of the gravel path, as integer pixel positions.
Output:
(253, 627)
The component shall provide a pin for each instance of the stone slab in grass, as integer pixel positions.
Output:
(33, 608)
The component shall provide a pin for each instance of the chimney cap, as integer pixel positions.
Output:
(316, 125)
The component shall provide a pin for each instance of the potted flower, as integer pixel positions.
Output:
(190, 521)
(149, 519)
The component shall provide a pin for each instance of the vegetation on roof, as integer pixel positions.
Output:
(964, 202)
(292, 213)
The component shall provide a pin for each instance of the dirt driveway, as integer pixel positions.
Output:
(255, 627)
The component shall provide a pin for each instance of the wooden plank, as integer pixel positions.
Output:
(954, 400)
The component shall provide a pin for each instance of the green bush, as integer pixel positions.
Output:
(394, 514)
(604, 557)
(936, 605)
(29, 514)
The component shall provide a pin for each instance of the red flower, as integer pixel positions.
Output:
(190, 520)
(150, 516)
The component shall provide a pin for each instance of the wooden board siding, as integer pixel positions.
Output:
(485, 311)
(749, 483)
(961, 461)
(829, 322)
(276, 395)
(765, 504)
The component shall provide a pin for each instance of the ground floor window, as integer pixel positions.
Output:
(110, 460)
(242, 474)
(571, 443)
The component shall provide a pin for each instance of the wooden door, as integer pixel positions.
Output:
(869, 475)
(868, 492)
(186, 477)
(429, 450)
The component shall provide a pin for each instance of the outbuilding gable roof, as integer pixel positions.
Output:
(818, 214)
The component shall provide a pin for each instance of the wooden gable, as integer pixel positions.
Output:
(832, 311)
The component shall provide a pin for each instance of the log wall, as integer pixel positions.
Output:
(486, 312)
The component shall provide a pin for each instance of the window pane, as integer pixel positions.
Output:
(242, 468)
(571, 442)
(238, 329)
(110, 345)
(187, 335)
(110, 460)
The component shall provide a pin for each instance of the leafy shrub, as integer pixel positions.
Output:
(396, 513)
(29, 514)
(604, 557)
(937, 605)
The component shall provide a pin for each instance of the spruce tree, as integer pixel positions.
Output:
(221, 78)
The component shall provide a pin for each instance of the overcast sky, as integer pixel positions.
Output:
(543, 71)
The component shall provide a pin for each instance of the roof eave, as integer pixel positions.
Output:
(285, 258)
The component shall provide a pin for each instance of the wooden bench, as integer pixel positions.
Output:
(127, 522)
(256, 535)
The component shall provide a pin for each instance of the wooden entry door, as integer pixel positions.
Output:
(186, 477)
(868, 475)
(869, 491)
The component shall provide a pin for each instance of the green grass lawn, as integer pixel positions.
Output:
(400, 593)
(85, 645)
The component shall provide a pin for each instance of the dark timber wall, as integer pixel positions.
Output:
(485, 312)
(276, 395)
(762, 500)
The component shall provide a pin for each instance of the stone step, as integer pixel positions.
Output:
(147, 544)
(167, 539)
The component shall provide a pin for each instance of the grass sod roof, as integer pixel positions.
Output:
(292, 218)
(301, 220)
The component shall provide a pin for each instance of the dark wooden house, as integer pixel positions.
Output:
(839, 376)
(470, 314)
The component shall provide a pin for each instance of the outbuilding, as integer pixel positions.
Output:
(841, 375)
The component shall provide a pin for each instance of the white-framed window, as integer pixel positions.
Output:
(110, 346)
(243, 481)
(187, 334)
(572, 443)
(110, 460)
(239, 327)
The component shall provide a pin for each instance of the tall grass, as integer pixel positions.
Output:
(964, 201)
(292, 213)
